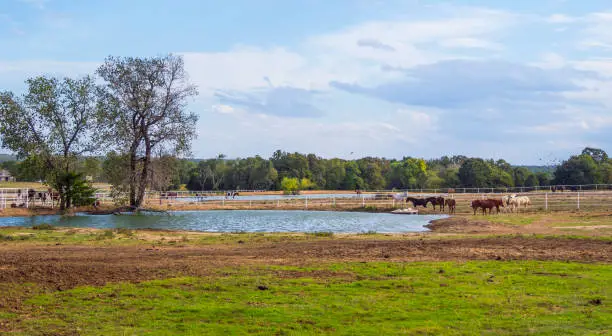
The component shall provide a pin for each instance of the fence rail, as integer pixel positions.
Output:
(586, 200)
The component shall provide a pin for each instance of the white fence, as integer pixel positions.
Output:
(540, 201)
(591, 200)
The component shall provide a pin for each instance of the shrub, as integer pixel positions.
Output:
(125, 231)
(43, 226)
(322, 234)
(107, 234)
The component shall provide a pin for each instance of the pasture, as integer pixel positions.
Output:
(537, 273)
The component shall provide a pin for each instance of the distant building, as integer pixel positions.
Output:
(5, 176)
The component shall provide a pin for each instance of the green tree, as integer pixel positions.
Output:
(54, 123)
(544, 178)
(475, 173)
(598, 155)
(290, 184)
(532, 181)
(521, 174)
(579, 169)
(409, 173)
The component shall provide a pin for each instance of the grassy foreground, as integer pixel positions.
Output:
(376, 298)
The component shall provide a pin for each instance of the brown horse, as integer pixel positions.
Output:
(451, 203)
(484, 205)
(436, 201)
(498, 203)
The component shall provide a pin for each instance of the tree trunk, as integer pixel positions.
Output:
(144, 176)
(133, 177)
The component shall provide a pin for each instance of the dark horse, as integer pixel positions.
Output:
(484, 205)
(498, 203)
(487, 204)
(557, 188)
(451, 203)
(417, 201)
(436, 201)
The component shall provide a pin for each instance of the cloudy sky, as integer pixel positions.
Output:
(528, 81)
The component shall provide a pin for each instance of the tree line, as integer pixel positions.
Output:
(295, 171)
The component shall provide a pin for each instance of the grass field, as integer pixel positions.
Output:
(502, 298)
(124, 282)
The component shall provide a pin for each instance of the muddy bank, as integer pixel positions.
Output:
(457, 224)
(63, 267)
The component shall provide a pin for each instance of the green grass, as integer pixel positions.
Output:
(512, 219)
(438, 298)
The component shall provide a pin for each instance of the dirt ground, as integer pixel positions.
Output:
(62, 267)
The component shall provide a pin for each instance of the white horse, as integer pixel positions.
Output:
(515, 202)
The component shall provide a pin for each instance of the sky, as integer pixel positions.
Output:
(526, 81)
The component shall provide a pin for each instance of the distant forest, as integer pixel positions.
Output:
(296, 171)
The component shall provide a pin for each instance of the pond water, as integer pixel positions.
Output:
(273, 197)
(242, 220)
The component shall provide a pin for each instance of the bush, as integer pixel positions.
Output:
(43, 226)
(125, 231)
(323, 234)
(6, 237)
(107, 234)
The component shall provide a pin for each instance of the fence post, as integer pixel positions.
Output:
(363, 201)
(546, 201)
(578, 200)
(250, 203)
(306, 203)
(334, 200)
(223, 201)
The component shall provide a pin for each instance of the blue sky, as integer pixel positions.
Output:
(528, 81)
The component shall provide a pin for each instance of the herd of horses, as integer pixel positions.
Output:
(32, 196)
(509, 202)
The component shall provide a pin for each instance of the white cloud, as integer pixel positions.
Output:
(467, 42)
(561, 18)
(551, 61)
(598, 31)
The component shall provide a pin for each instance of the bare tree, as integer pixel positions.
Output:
(144, 104)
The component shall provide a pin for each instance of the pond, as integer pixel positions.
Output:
(273, 197)
(242, 220)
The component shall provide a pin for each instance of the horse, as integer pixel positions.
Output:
(53, 195)
(417, 201)
(557, 188)
(484, 205)
(498, 203)
(517, 201)
(169, 194)
(451, 203)
(436, 201)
